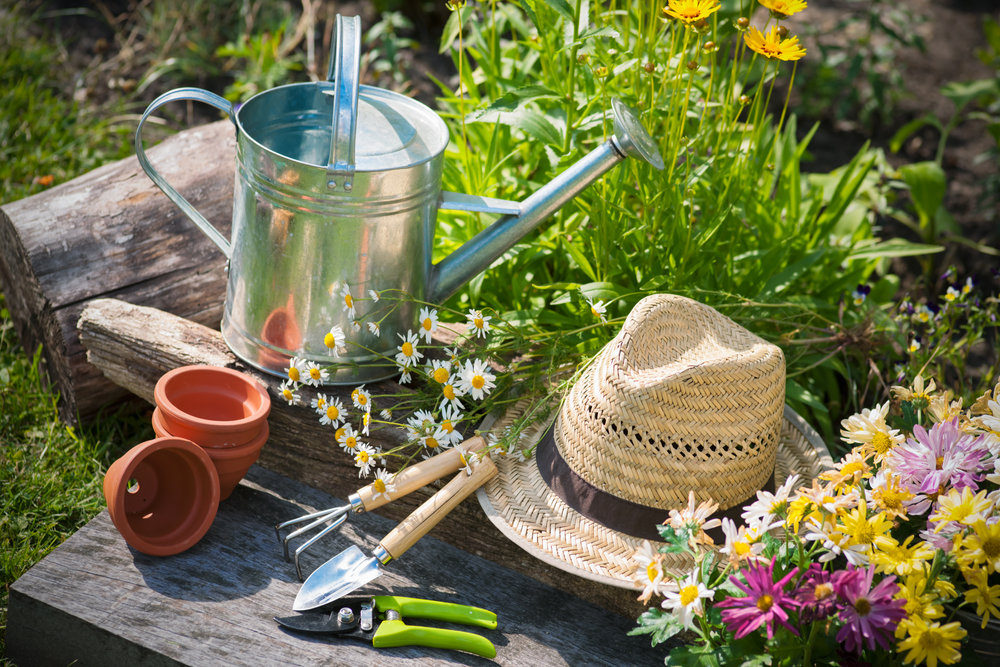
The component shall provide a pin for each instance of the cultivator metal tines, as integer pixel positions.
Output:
(336, 514)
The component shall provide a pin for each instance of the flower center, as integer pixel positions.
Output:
(652, 571)
(991, 547)
(427, 324)
(349, 301)
(478, 322)
(362, 399)
(379, 486)
(446, 426)
(431, 442)
(407, 349)
(742, 548)
(478, 381)
(293, 374)
(320, 403)
(931, 640)
(329, 340)
(449, 392)
(865, 534)
(363, 456)
(892, 500)
(881, 443)
(338, 434)
(332, 412)
(851, 469)
(594, 311)
(441, 375)
(765, 602)
(314, 373)
(287, 394)
(351, 443)
(689, 594)
(822, 591)
(939, 463)
(862, 606)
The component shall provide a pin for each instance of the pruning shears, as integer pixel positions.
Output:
(379, 620)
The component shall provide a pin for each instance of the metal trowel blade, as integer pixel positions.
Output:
(336, 578)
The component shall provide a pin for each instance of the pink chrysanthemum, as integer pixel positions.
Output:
(816, 595)
(766, 602)
(869, 614)
(936, 460)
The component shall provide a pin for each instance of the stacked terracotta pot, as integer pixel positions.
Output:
(211, 424)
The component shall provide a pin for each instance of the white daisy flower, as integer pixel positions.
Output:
(386, 414)
(476, 379)
(287, 390)
(296, 369)
(366, 420)
(364, 457)
(428, 323)
(373, 328)
(737, 546)
(479, 322)
(769, 504)
(355, 326)
(382, 485)
(421, 423)
(335, 341)
(435, 441)
(870, 428)
(348, 439)
(408, 355)
(450, 416)
(515, 451)
(452, 354)
(685, 604)
(439, 371)
(319, 403)
(405, 378)
(374, 295)
(333, 414)
(597, 309)
(345, 293)
(315, 375)
(451, 395)
(362, 398)
(648, 570)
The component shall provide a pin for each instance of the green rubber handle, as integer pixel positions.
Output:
(397, 633)
(437, 611)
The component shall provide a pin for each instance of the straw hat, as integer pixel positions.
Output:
(682, 399)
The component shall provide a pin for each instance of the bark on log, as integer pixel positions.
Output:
(134, 346)
(112, 233)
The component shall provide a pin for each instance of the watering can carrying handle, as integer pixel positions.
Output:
(344, 70)
(198, 95)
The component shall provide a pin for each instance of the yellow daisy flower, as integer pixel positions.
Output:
(864, 532)
(771, 46)
(891, 498)
(985, 596)
(920, 604)
(782, 9)
(850, 470)
(933, 642)
(961, 506)
(891, 557)
(691, 11)
(982, 546)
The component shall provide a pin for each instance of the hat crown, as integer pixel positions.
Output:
(683, 398)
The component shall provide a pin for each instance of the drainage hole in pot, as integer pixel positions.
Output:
(133, 486)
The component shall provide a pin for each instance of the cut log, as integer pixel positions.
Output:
(111, 232)
(135, 345)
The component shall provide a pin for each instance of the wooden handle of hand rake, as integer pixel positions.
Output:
(425, 517)
(422, 474)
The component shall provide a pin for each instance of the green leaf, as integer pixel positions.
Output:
(927, 183)
(905, 132)
(451, 28)
(533, 123)
(894, 248)
(799, 393)
(624, 67)
(592, 32)
(529, 8)
(781, 281)
(516, 99)
(4, 377)
(994, 130)
(885, 289)
(562, 7)
(660, 624)
(580, 259)
(963, 92)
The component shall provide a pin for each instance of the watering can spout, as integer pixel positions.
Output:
(519, 219)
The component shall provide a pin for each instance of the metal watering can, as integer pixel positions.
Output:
(339, 185)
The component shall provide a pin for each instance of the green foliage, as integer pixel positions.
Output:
(258, 63)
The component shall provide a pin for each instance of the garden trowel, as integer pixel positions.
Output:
(352, 569)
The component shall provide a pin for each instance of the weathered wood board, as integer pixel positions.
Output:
(111, 232)
(135, 345)
(99, 602)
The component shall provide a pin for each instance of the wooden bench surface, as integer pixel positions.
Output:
(96, 600)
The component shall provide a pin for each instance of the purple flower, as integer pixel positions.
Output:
(766, 602)
(939, 459)
(816, 595)
(869, 614)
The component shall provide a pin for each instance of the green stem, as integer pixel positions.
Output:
(570, 103)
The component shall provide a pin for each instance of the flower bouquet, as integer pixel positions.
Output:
(890, 558)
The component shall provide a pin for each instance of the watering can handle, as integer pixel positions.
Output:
(198, 95)
(345, 63)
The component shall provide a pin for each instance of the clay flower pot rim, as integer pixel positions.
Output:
(163, 402)
(227, 451)
(163, 430)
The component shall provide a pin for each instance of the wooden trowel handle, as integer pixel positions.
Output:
(422, 474)
(425, 517)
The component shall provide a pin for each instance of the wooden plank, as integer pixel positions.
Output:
(111, 232)
(97, 601)
(135, 345)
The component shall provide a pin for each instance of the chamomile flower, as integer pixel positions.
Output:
(319, 403)
(374, 328)
(355, 326)
(333, 414)
(648, 570)
(440, 371)
(345, 294)
(450, 416)
(772, 46)
(452, 353)
(287, 391)
(348, 439)
(315, 375)
(296, 369)
(428, 323)
(476, 379)
(364, 458)
(421, 423)
(382, 484)
(436, 441)
(386, 414)
(480, 323)
(686, 603)
(597, 309)
(362, 399)
(366, 420)
(335, 340)
(452, 394)
(374, 295)
(408, 354)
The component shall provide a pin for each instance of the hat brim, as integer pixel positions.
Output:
(530, 514)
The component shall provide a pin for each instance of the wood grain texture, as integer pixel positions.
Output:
(97, 601)
(112, 233)
(135, 345)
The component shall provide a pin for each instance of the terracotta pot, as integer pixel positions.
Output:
(231, 463)
(212, 406)
(172, 499)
